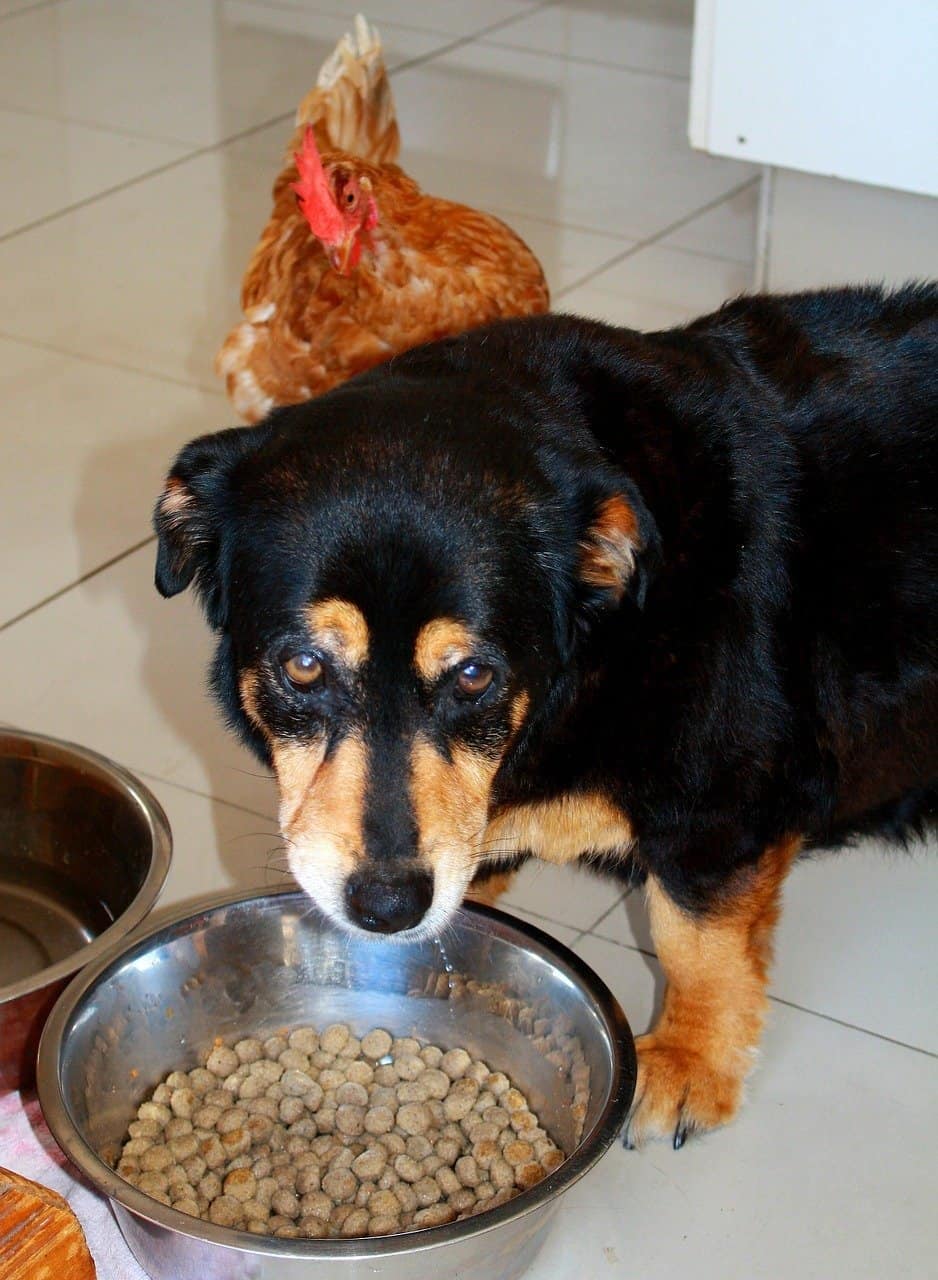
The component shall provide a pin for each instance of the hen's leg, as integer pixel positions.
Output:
(693, 1065)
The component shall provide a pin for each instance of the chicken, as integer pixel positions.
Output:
(356, 263)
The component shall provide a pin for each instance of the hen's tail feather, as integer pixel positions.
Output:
(351, 108)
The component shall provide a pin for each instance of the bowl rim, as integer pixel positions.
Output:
(61, 751)
(594, 1144)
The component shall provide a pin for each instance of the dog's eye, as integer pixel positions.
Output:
(302, 670)
(473, 679)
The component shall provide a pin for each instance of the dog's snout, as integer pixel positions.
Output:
(385, 905)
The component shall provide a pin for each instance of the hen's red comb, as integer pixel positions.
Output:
(315, 197)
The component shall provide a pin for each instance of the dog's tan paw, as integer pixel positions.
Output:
(679, 1093)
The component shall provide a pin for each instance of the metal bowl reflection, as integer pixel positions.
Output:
(84, 851)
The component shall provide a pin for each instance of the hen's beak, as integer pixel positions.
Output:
(342, 256)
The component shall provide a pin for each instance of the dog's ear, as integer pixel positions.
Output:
(620, 548)
(191, 515)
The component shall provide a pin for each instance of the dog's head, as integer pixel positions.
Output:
(399, 580)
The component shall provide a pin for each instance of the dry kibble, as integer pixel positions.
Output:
(379, 1119)
(351, 1094)
(316, 1135)
(296, 1083)
(222, 1061)
(350, 1120)
(376, 1044)
(356, 1224)
(434, 1215)
(407, 1168)
(284, 1201)
(305, 1039)
(384, 1224)
(414, 1118)
(528, 1175)
(225, 1211)
(518, 1153)
(371, 1163)
(340, 1184)
(455, 1063)
(334, 1037)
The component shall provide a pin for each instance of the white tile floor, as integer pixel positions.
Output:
(137, 145)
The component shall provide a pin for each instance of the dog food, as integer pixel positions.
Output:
(321, 1134)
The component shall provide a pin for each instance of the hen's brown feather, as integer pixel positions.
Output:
(430, 267)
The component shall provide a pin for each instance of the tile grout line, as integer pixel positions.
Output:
(790, 1004)
(658, 236)
(70, 586)
(28, 8)
(204, 795)
(53, 348)
(250, 131)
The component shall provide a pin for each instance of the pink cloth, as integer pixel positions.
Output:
(28, 1148)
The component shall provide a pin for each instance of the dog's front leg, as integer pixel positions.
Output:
(693, 1064)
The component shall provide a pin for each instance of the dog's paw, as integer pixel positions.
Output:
(678, 1093)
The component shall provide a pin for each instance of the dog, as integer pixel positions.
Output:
(666, 604)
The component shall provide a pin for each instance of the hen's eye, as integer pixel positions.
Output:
(473, 679)
(303, 670)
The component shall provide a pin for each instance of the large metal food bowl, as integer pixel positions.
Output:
(84, 851)
(244, 965)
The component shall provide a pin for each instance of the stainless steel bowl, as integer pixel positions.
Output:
(84, 851)
(245, 964)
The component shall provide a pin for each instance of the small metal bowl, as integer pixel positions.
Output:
(250, 965)
(84, 851)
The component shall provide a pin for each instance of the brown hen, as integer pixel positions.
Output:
(356, 263)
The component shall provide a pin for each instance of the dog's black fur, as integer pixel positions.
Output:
(773, 667)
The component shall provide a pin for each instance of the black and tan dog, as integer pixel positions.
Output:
(665, 603)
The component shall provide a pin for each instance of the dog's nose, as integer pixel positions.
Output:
(386, 905)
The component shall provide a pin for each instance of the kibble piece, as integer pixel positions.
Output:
(409, 1066)
(351, 1094)
(448, 1149)
(427, 1190)
(360, 1072)
(406, 1198)
(376, 1043)
(384, 1224)
(356, 1224)
(407, 1168)
(386, 1074)
(501, 1174)
(312, 1228)
(296, 1083)
(393, 1143)
(162, 1094)
(290, 1109)
(316, 1204)
(230, 1120)
(340, 1184)
(414, 1118)
(458, 1102)
(225, 1211)
(350, 1120)
(330, 1078)
(222, 1061)
(518, 1153)
(371, 1163)
(455, 1063)
(241, 1184)
(528, 1175)
(523, 1120)
(312, 1098)
(155, 1111)
(273, 1047)
(155, 1157)
(379, 1120)
(434, 1215)
(334, 1037)
(305, 1039)
(467, 1171)
(284, 1201)
(183, 1147)
(288, 1232)
(293, 1060)
(431, 1055)
(351, 1049)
